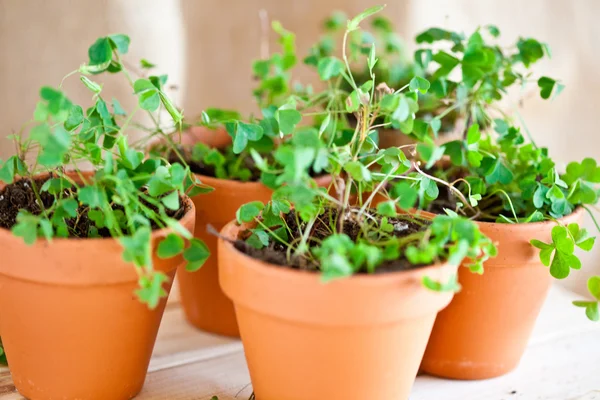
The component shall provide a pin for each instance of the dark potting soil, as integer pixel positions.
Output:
(276, 253)
(200, 168)
(20, 196)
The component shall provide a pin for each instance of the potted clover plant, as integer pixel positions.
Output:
(518, 196)
(91, 233)
(218, 148)
(335, 298)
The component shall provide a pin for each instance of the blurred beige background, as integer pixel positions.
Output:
(207, 46)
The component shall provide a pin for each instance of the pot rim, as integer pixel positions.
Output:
(249, 185)
(485, 224)
(301, 297)
(188, 215)
(566, 219)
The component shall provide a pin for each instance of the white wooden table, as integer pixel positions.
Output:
(562, 362)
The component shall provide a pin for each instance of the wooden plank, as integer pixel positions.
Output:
(176, 337)
(224, 376)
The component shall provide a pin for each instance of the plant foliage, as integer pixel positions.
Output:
(126, 195)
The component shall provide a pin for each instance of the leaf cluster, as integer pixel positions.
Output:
(126, 195)
(359, 171)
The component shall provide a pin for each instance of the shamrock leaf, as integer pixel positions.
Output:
(548, 86)
(249, 211)
(419, 84)
(329, 67)
(496, 171)
(196, 255)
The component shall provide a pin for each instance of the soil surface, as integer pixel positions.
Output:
(20, 196)
(199, 167)
(276, 253)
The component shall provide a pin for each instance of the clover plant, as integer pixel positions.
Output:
(127, 195)
(497, 173)
(485, 70)
(344, 229)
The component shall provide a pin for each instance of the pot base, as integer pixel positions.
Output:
(205, 306)
(469, 371)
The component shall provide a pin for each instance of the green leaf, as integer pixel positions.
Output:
(352, 102)
(562, 240)
(151, 289)
(593, 285)
(387, 208)
(100, 52)
(547, 86)
(329, 67)
(258, 239)
(171, 201)
(335, 266)
(120, 42)
(355, 22)
(592, 310)
(451, 286)
(372, 60)
(7, 171)
(148, 94)
(149, 100)
(562, 263)
(92, 196)
(419, 84)
(496, 171)
(288, 119)
(196, 255)
(249, 211)
(358, 171)
(75, 118)
(493, 30)
(405, 194)
(170, 246)
(473, 134)
(145, 64)
(252, 132)
(26, 227)
(423, 57)
(430, 153)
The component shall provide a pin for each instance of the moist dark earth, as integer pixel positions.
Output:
(20, 196)
(276, 253)
(200, 168)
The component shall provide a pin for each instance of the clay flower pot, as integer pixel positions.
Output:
(357, 338)
(71, 324)
(204, 304)
(485, 329)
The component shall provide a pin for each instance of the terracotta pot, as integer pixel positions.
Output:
(71, 324)
(218, 138)
(484, 331)
(204, 304)
(357, 338)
